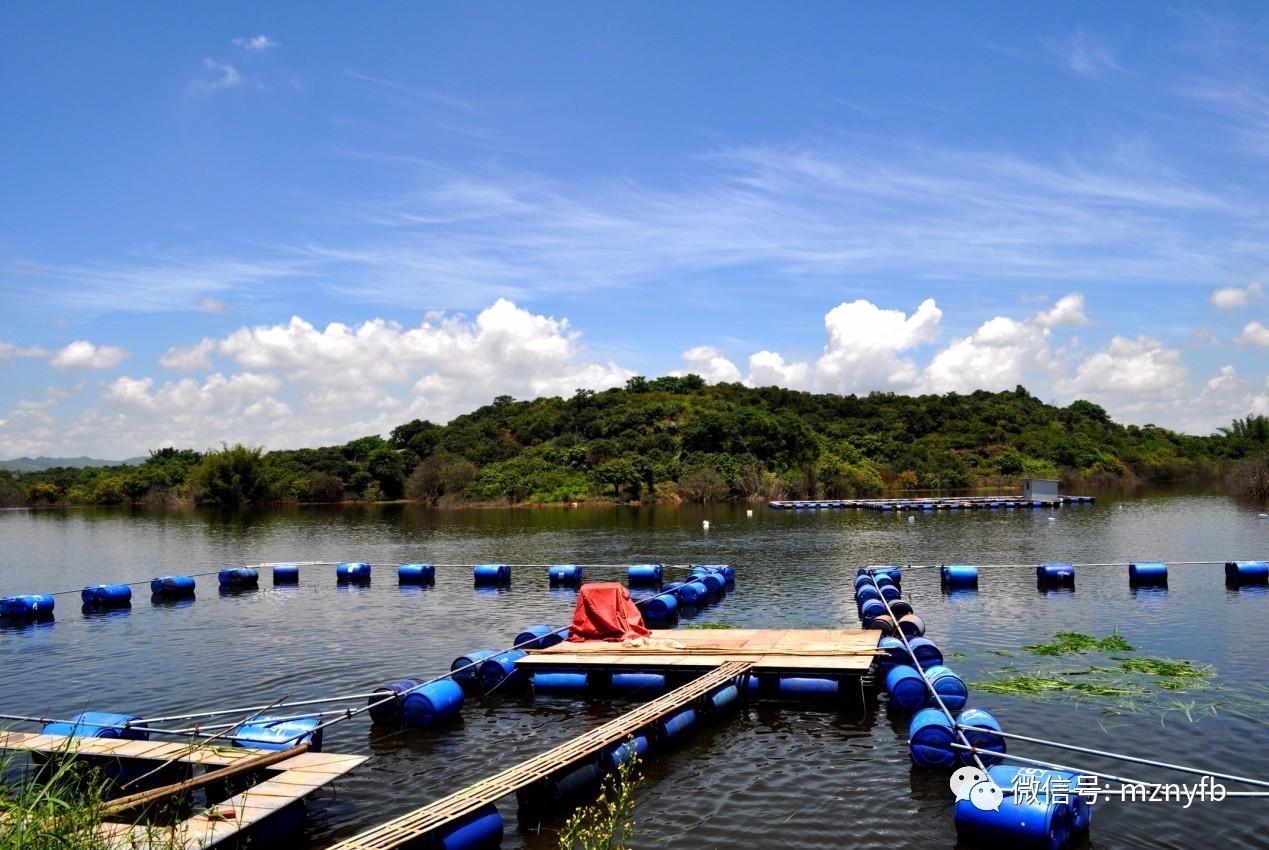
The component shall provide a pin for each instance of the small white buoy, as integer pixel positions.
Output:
(705, 524)
(911, 519)
(750, 513)
(1052, 519)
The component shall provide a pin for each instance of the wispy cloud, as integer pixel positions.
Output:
(255, 44)
(1085, 54)
(219, 76)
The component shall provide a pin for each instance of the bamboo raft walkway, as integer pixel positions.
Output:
(411, 827)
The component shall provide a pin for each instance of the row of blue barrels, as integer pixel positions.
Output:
(704, 582)
(269, 732)
(1044, 819)
(1140, 574)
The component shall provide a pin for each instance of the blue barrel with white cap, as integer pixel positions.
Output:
(1055, 575)
(564, 574)
(27, 605)
(642, 575)
(355, 572)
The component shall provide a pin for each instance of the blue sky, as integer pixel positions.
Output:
(294, 224)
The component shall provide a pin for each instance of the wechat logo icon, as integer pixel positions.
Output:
(970, 783)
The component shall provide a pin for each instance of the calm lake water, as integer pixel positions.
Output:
(770, 775)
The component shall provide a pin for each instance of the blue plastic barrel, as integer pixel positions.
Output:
(27, 605)
(911, 625)
(930, 739)
(676, 725)
(885, 624)
(540, 636)
(926, 652)
(714, 582)
(385, 701)
(480, 830)
(1019, 824)
(865, 593)
(662, 607)
(615, 755)
(269, 732)
(286, 573)
(564, 574)
(98, 724)
(642, 575)
(107, 595)
(492, 574)
(984, 743)
(723, 698)
(431, 704)
(1054, 783)
(1050, 575)
(416, 574)
(640, 684)
(883, 579)
(900, 608)
(862, 580)
(466, 668)
(906, 688)
(499, 671)
(353, 571)
(896, 653)
(559, 682)
(1247, 572)
(889, 592)
(239, 577)
(950, 687)
(173, 586)
(1147, 573)
(871, 609)
(809, 687)
(958, 575)
(693, 593)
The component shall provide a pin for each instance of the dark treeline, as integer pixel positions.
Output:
(676, 438)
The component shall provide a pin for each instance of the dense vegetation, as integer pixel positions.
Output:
(675, 438)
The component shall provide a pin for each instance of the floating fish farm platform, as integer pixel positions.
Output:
(941, 503)
(260, 814)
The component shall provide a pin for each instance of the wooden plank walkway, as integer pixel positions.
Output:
(812, 651)
(289, 782)
(414, 825)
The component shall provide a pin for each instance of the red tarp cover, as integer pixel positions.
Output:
(605, 611)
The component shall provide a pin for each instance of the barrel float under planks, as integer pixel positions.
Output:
(1056, 783)
(1020, 823)
(958, 576)
(27, 605)
(615, 755)
(984, 742)
(173, 586)
(239, 577)
(98, 724)
(637, 684)
(1246, 572)
(809, 688)
(643, 575)
(580, 779)
(950, 687)
(540, 636)
(674, 726)
(466, 668)
(723, 698)
(906, 688)
(872, 609)
(1055, 575)
(269, 732)
(286, 573)
(480, 830)
(912, 625)
(884, 624)
(564, 575)
(500, 671)
(868, 591)
(559, 681)
(926, 652)
(1142, 573)
(662, 607)
(930, 738)
(385, 701)
(107, 595)
(495, 574)
(416, 574)
(432, 703)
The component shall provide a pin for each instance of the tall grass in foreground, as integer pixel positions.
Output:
(59, 806)
(608, 823)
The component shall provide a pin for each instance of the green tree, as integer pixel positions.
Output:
(230, 477)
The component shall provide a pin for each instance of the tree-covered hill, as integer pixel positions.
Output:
(675, 438)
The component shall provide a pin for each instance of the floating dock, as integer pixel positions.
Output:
(273, 805)
(940, 503)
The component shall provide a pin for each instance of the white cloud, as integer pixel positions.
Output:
(995, 357)
(1130, 367)
(864, 342)
(188, 358)
(711, 365)
(222, 75)
(1084, 54)
(1253, 333)
(211, 305)
(9, 350)
(82, 354)
(766, 369)
(1232, 297)
(255, 44)
(1069, 310)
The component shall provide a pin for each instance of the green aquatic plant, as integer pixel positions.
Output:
(707, 626)
(1164, 667)
(1065, 643)
(609, 822)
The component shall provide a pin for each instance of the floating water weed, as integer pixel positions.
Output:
(711, 626)
(1164, 667)
(1064, 643)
